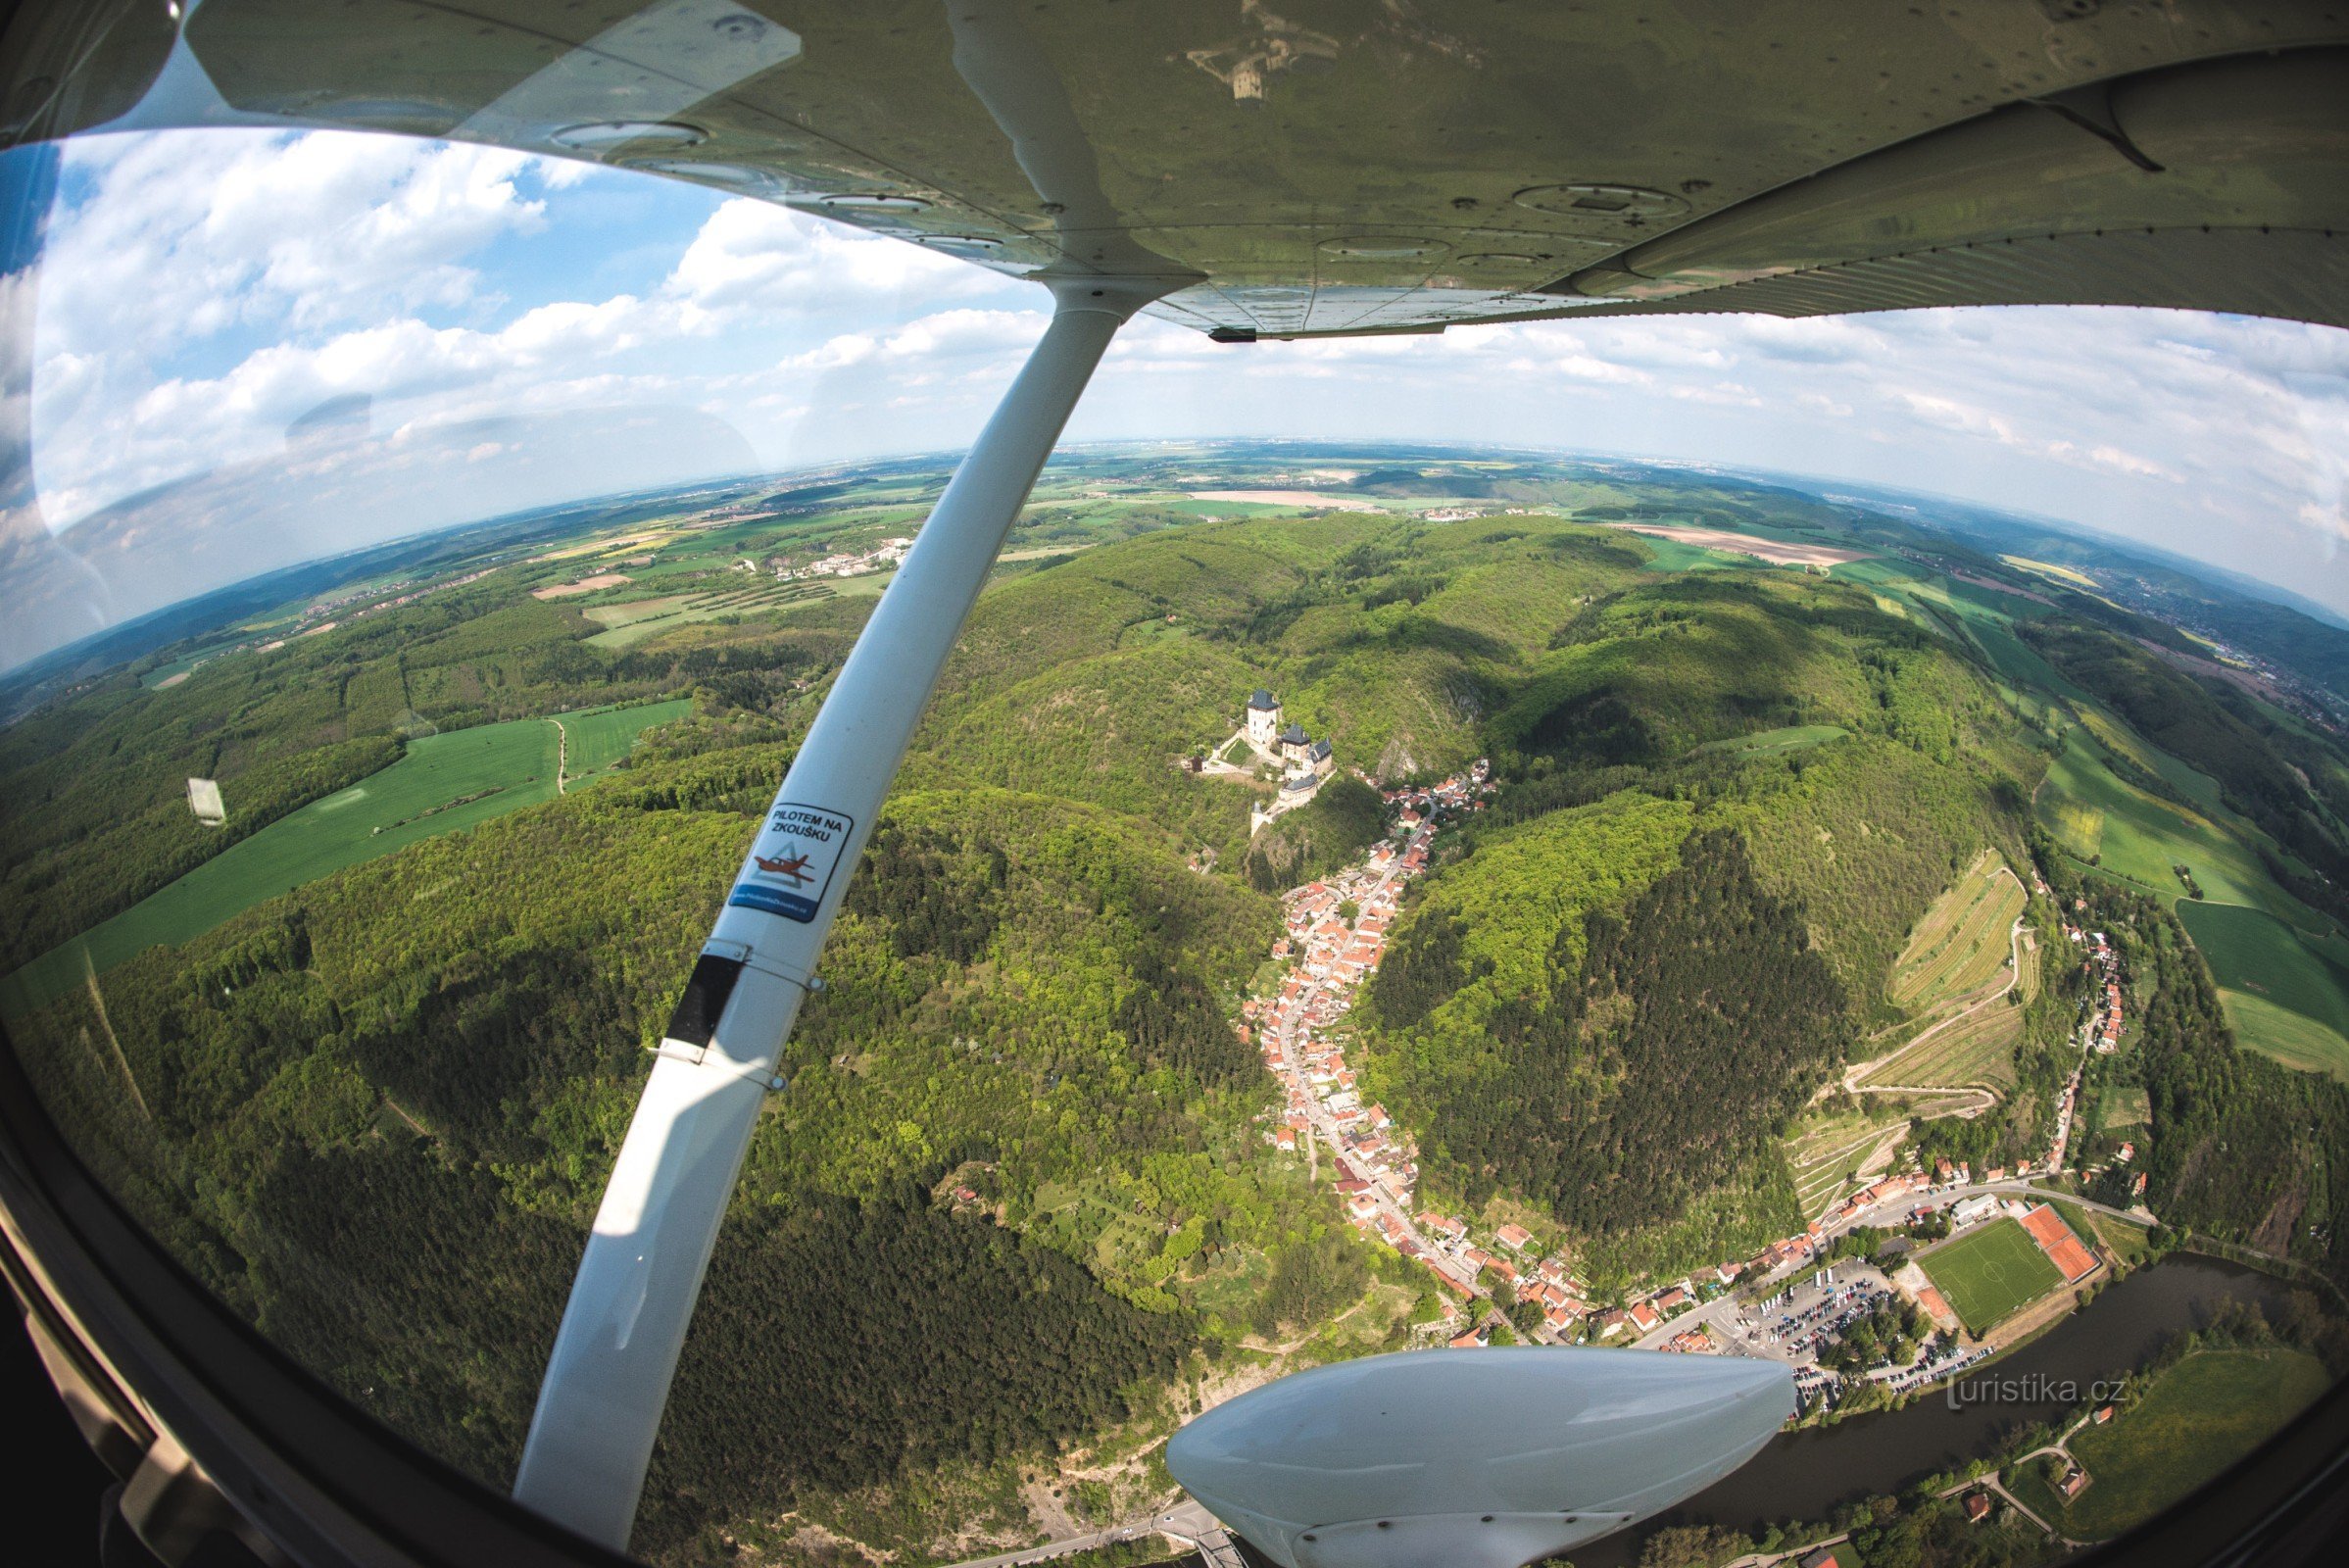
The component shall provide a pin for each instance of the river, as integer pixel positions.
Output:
(1806, 1475)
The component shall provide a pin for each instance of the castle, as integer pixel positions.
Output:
(1297, 753)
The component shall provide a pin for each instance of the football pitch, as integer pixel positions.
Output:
(1989, 1273)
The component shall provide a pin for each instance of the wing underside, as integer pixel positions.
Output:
(1339, 166)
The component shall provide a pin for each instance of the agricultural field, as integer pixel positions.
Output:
(2078, 580)
(596, 740)
(1976, 1048)
(1830, 1147)
(2284, 993)
(2028, 973)
(1990, 1274)
(2199, 1417)
(2132, 835)
(443, 783)
(1964, 942)
(631, 621)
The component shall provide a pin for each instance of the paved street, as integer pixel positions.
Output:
(1186, 1520)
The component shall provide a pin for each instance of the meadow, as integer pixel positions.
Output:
(442, 784)
(1775, 742)
(599, 738)
(2199, 1417)
(2125, 1105)
(2284, 993)
(1987, 1275)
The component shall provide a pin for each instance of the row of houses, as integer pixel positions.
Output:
(2105, 1015)
(1334, 937)
(847, 563)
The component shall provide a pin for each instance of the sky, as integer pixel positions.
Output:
(508, 332)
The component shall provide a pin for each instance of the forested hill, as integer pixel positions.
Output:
(1649, 1059)
(383, 1109)
(1658, 945)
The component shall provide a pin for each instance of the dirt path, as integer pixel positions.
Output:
(562, 753)
(106, 1026)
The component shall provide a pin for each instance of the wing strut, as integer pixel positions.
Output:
(609, 1376)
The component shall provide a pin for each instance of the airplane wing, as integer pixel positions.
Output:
(1337, 167)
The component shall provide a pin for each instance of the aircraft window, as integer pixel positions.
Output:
(1812, 849)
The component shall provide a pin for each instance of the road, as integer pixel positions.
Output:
(1186, 1521)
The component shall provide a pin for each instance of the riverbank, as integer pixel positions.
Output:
(1808, 1473)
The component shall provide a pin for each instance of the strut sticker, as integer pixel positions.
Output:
(792, 864)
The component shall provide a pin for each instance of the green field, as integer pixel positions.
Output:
(2198, 1418)
(443, 783)
(1777, 742)
(1987, 1274)
(1964, 942)
(2127, 1241)
(2284, 993)
(1674, 555)
(599, 737)
(2093, 814)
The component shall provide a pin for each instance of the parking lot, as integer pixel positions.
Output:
(1793, 1325)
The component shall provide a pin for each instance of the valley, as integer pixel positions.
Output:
(1692, 882)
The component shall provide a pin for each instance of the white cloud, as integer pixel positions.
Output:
(187, 235)
(203, 291)
(751, 254)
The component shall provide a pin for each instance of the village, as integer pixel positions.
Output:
(1801, 1299)
(840, 564)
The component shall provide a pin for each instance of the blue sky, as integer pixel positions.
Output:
(204, 289)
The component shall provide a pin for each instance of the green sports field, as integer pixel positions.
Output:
(441, 784)
(2284, 994)
(1987, 1274)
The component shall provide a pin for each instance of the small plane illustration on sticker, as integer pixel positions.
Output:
(794, 867)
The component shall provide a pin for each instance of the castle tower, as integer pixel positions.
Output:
(1263, 718)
